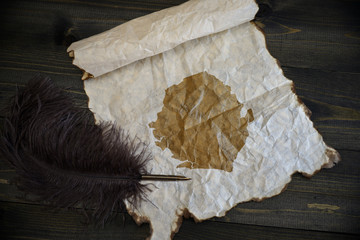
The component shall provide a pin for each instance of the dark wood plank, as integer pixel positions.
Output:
(215, 231)
(314, 34)
(334, 99)
(19, 221)
(299, 210)
(26, 221)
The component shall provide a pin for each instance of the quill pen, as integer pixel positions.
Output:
(67, 160)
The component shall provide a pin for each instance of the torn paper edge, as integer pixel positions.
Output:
(332, 155)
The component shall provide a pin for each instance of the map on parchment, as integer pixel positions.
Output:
(196, 83)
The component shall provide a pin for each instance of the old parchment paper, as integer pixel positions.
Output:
(196, 83)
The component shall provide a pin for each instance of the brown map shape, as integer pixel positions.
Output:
(200, 123)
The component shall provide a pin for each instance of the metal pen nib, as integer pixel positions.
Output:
(151, 177)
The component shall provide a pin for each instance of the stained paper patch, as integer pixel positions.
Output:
(201, 123)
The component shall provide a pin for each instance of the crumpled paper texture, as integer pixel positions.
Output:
(155, 33)
(280, 138)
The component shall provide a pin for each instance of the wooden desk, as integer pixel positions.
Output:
(318, 46)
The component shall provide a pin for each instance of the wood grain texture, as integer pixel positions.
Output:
(26, 221)
(318, 46)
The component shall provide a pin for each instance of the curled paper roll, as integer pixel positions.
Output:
(156, 33)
